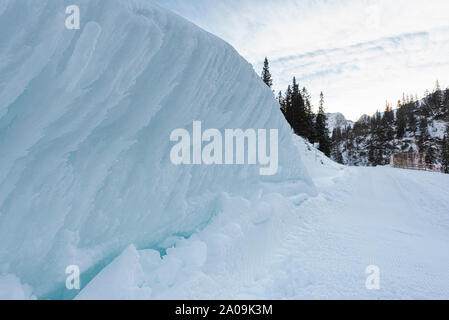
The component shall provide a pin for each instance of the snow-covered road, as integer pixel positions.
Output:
(395, 219)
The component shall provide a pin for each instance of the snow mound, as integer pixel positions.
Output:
(85, 121)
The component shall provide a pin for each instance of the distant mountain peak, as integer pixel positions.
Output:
(337, 120)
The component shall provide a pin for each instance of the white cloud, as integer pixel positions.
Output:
(359, 52)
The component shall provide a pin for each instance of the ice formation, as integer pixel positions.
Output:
(85, 123)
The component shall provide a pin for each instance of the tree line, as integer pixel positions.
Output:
(373, 139)
(404, 129)
(296, 106)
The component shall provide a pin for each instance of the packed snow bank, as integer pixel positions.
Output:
(85, 121)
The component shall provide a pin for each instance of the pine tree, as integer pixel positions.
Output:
(445, 152)
(387, 123)
(423, 134)
(266, 75)
(438, 97)
(378, 140)
(424, 141)
(412, 121)
(372, 156)
(299, 113)
(281, 101)
(430, 155)
(428, 105)
(401, 121)
(288, 106)
(446, 104)
(309, 116)
(321, 130)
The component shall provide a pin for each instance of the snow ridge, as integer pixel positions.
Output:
(85, 120)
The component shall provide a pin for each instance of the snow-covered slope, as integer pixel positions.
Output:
(85, 122)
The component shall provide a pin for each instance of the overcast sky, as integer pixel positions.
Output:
(360, 53)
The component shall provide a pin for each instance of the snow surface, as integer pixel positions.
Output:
(85, 175)
(85, 123)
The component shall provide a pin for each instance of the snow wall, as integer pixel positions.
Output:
(85, 123)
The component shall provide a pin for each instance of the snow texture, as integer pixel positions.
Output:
(85, 123)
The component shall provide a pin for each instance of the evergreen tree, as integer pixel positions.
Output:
(424, 142)
(308, 116)
(338, 157)
(446, 104)
(430, 155)
(423, 134)
(401, 121)
(288, 106)
(378, 139)
(299, 125)
(388, 122)
(412, 121)
(445, 152)
(280, 99)
(437, 97)
(266, 75)
(428, 105)
(336, 135)
(321, 130)
(297, 108)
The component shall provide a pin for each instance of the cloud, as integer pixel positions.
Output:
(359, 52)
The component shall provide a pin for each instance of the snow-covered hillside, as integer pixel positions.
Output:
(417, 126)
(85, 123)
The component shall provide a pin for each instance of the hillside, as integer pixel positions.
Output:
(416, 125)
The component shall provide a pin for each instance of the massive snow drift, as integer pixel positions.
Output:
(85, 123)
